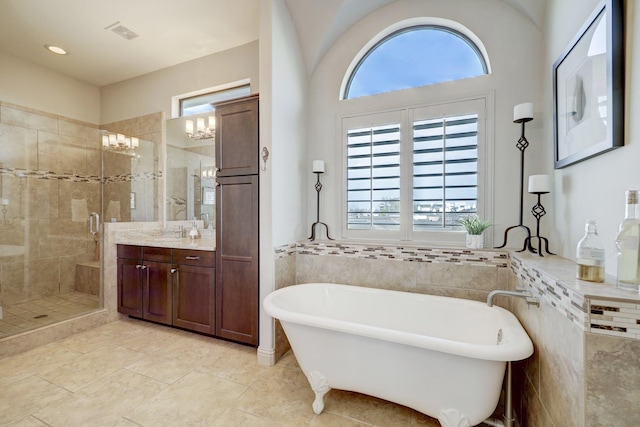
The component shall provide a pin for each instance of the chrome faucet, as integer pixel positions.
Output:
(206, 219)
(180, 231)
(527, 295)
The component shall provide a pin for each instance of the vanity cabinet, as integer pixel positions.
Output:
(130, 280)
(169, 286)
(144, 282)
(193, 290)
(156, 284)
(237, 220)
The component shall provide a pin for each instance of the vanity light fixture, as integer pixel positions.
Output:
(55, 49)
(120, 143)
(201, 131)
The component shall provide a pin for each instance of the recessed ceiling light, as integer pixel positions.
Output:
(55, 49)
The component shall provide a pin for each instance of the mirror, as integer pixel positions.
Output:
(191, 178)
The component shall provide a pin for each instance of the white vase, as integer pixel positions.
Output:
(475, 241)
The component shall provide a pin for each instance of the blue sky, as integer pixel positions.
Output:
(415, 58)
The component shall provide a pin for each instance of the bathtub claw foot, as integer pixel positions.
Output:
(453, 418)
(320, 386)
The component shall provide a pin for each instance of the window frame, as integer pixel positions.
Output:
(483, 106)
(364, 55)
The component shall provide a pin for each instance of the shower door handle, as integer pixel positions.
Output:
(94, 228)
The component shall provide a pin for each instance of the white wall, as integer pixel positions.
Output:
(513, 52)
(29, 85)
(152, 93)
(593, 189)
(282, 132)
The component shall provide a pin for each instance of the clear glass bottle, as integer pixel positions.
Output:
(590, 255)
(628, 244)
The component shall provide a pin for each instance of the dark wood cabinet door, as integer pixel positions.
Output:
(130, 287)
(237, 137)
(156, 297)
(237, 250)
(194, 298)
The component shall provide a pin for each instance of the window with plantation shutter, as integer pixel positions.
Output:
(445, 171)
(412, 173)
(373, 178)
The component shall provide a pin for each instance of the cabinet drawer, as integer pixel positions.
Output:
(152, 253)
(197, 258)
(130, 251)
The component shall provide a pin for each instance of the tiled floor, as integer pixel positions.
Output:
(133, 373)
(45, 311)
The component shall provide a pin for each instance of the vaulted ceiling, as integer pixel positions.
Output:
(169, 32)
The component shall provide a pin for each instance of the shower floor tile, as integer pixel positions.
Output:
(45, 311)
(135, 373)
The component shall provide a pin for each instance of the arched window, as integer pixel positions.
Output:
(415, 56)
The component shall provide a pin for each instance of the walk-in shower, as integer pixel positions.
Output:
(60, 179)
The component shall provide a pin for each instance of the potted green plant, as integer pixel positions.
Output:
(475, 227)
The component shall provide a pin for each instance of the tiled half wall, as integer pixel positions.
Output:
(585, 370)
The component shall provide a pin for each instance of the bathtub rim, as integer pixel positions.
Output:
(519, 347)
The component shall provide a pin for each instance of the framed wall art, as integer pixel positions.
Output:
(588, 88)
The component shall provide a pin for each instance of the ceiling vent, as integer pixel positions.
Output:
(122, 31)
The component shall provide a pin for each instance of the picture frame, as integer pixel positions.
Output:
(588, 88)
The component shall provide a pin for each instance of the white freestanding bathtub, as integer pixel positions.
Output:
(444, 357)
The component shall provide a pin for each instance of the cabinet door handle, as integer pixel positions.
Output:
(138, 266)
(192, 257)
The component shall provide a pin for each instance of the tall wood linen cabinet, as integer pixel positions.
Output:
(237, 232)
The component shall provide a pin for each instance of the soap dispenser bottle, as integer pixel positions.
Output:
(194, 233)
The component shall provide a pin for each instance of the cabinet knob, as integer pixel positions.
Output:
(173, 270)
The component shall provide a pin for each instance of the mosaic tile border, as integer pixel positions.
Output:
(48, 175)
(27, 173)
(617, 318)
(285, 251)
(571, 304)
(486, 258)
(620, 318)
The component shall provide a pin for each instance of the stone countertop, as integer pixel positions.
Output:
(156, 239)
(563, 270)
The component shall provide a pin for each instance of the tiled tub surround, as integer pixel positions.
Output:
(463, 273)
(586, 367)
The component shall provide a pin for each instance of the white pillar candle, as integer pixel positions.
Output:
(540, 184)
(523, 111)
(5, 202)
(318, 166)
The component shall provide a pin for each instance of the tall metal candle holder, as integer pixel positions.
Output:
(522, 113)
(318, 169)
(539, 185)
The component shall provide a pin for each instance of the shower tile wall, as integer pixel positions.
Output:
(45, 161)
(142, 177)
